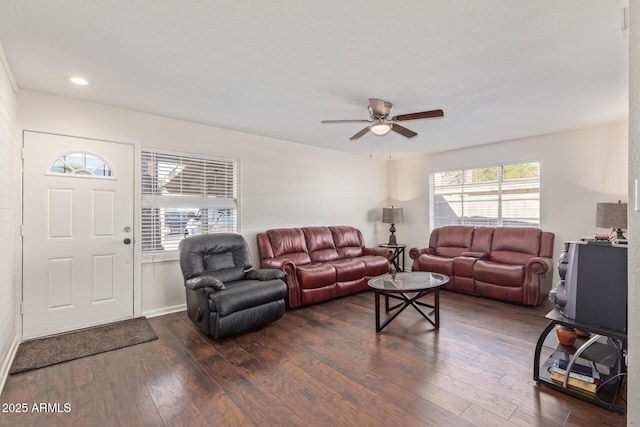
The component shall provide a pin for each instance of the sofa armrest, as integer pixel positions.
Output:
(538, 276)
(265, 274)
(537, 265)
(414, 253)
(273, 263)
(477, 255)
(290, 278)
(293, 285)
(385, 252)
(203, 282)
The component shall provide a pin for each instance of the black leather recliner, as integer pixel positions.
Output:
(223, 298)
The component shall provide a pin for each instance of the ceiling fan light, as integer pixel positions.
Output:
(380, 129)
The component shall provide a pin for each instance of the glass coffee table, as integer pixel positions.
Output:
(408, 288)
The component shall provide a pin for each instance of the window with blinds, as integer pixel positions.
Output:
(184, 195)
(504, 195)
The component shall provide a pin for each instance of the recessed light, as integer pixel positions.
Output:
(79, 81)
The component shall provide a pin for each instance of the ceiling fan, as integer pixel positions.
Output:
(381, 122)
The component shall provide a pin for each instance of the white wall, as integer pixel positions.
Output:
(578, 169)
(9, 190)
(633, 415)
(282, 184)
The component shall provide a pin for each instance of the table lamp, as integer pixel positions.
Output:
(392, 215)
(614, 216)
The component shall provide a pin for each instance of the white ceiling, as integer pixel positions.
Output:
(500, 69)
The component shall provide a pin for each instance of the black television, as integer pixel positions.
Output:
(593, 286)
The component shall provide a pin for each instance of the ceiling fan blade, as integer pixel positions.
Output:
(421, 115)
(377, 107)
(345, 121)
(359, 134)
(403, 131)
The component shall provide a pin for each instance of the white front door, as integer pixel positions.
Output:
(78, 233)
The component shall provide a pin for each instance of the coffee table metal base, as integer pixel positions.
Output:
(408, 299)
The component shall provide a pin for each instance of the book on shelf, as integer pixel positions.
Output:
(578, 371)
(586, 388)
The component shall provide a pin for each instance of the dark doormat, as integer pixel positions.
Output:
(85, 342)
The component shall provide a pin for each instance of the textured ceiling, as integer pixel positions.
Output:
(500, 69)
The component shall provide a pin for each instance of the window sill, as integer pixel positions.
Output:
(149, 259)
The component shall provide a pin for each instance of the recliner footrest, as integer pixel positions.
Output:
(244, 320)
(244, 294)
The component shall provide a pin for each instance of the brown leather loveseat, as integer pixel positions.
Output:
(321, 263)
(512, 264)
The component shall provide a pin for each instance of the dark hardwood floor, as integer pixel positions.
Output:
(322, 365)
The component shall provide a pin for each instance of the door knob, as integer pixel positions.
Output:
(127, 241)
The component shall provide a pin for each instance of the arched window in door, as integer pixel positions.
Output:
(81, 163)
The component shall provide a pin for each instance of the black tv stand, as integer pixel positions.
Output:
(604, 349)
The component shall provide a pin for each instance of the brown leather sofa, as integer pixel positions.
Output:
(321, 263)
(512, 264)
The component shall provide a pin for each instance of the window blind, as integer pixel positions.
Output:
(503, 195)
(184, 195)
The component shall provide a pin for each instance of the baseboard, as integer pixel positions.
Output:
(8, 360)
(165, 310)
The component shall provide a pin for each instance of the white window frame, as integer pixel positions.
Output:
(527, 185)
(81, 170)
(158, 240)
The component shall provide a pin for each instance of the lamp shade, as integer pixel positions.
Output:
(392, 215)
(611, 215)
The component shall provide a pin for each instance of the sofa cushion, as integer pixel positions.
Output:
(289, 243)
(316, 275)
(499, 274)
(320, 244)
(451, 241)
(436, 264)
(515, 245)
(348, 241)
(463, 266)
(374, 265)
(482, 238)
(348, 269)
